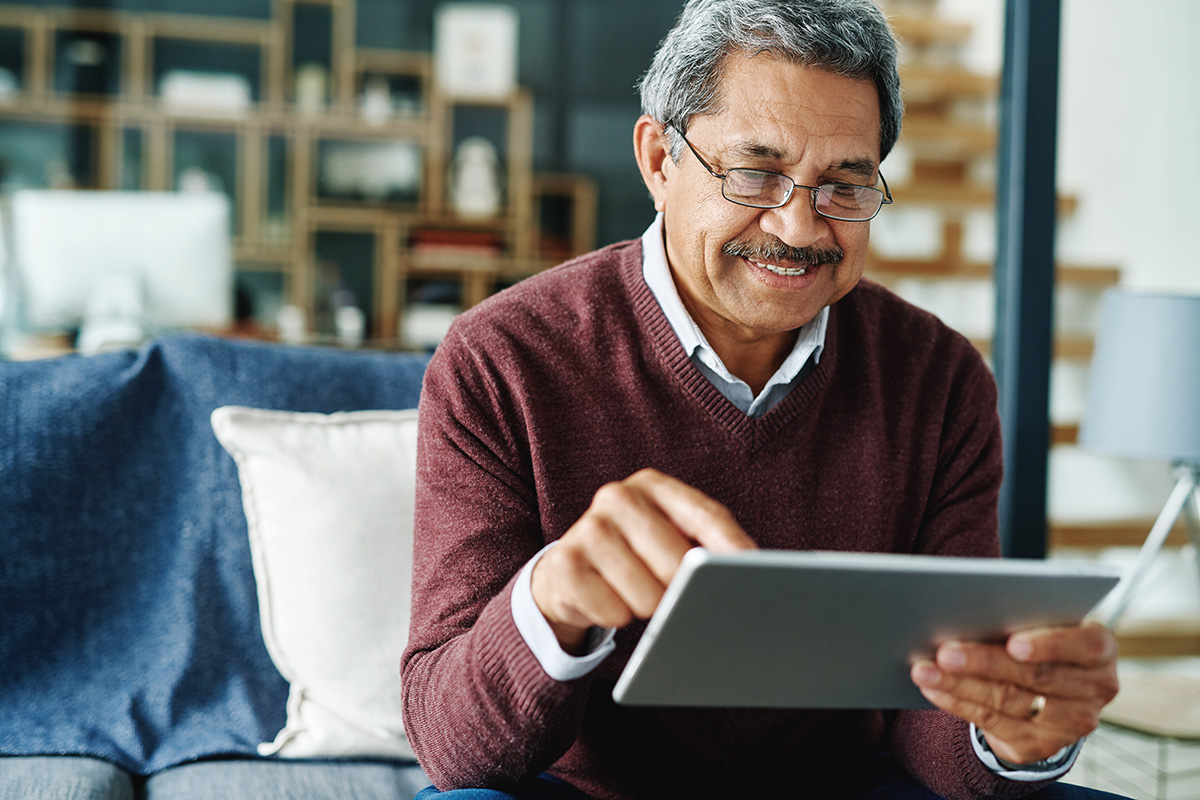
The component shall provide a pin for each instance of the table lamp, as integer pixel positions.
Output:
(1144, 402)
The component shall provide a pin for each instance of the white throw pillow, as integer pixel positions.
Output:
(329, 503)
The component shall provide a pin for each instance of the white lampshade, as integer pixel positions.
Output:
(1144, 394)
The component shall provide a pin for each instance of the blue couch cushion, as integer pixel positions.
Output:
(129, 626)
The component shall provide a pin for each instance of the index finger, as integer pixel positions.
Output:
(1089, 644)
(698, 516)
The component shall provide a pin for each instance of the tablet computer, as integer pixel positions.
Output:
(784, 629)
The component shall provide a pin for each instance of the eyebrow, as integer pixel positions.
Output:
(756, 150)
(864, 167)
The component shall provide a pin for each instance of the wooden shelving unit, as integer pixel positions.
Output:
(276, 148)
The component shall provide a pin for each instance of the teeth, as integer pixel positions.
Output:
(787, 273)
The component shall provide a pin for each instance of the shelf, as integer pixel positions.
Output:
(430, 264)
(97, 110)
(310, 176)
(246, 31)
(358, 215)
(256, 258)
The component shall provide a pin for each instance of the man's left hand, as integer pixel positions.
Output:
(1037, 693)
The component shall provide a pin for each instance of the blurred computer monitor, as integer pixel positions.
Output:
(120, 260)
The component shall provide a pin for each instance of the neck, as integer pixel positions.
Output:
(751, 356)
(753, 361)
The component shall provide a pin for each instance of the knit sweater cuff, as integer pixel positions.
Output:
(983, 780)
(506, 657)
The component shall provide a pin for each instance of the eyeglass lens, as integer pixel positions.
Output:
(767, 189)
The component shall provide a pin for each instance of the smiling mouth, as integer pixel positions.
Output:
(787, 272)
(772, 255)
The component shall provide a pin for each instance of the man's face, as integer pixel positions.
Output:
(809, 124)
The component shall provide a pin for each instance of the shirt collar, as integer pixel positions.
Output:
(657, 273)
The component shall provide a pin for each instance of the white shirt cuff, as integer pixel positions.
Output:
(1054, 767)
(535, 630)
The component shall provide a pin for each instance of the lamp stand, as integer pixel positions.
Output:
(1187, 487)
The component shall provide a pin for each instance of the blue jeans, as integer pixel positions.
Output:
(543, 787)
(893, 783)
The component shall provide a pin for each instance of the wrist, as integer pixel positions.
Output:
(572, 640)
(1046, 768)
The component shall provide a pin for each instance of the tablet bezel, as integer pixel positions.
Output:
(803, 629)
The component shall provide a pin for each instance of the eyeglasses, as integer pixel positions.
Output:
(758, 188)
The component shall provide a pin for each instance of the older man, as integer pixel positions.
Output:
(726, 381)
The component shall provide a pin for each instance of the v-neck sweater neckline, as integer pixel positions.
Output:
(753, 431)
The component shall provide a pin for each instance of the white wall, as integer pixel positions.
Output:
(1129, 105)
(1129, 118)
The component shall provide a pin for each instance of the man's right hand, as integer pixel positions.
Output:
(613, 565)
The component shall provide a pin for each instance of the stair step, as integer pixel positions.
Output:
(922, 30)
(1109, 533)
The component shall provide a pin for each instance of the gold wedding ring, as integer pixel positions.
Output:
(1037, 706)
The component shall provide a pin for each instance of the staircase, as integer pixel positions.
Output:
(936, 247)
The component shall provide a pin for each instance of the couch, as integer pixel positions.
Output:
(204, 556)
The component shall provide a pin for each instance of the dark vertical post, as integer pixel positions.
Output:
(1026, 211)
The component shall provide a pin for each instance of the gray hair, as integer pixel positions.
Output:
(847, 37)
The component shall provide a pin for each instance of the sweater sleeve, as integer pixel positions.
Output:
(478, 708)
(961, 519)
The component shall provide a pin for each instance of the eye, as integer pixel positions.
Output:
(751, 182)
(844, 195)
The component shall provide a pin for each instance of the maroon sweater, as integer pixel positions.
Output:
(574, 378)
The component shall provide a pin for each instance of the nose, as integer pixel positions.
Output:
(796, 222)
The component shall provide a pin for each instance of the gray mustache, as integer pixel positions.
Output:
(778, 251)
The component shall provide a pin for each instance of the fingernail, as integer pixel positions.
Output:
(928, 674)
(1020, 648)
(952, 656)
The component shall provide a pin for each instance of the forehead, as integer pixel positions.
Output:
(777, 110)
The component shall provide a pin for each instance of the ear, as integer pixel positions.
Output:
(653, 157)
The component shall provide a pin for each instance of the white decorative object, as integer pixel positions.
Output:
(475, 50)
(329, 504)
(191, 92)
(373, 170)
(424, 325)
(293, 324)
(194, 180)
(351, 325)
(475, 179)
(10, 86)
(375, 106)
(115, 318)
(312, 89)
